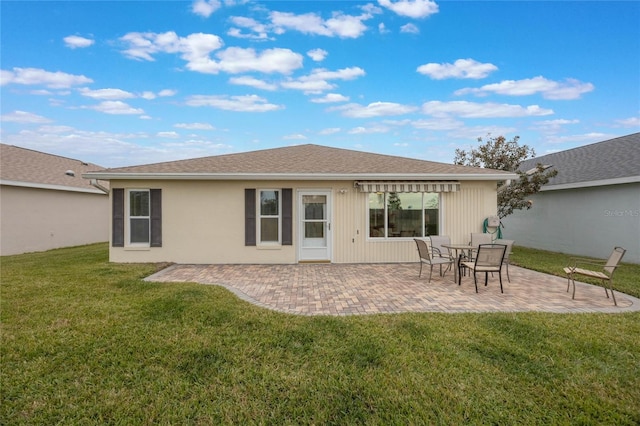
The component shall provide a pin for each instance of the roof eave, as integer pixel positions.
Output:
(36, 185)
(298, 176)
(591, 183)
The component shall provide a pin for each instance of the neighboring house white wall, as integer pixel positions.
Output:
(33, 219)
(585, 221)
(203, 222)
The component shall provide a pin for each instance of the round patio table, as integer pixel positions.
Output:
(458, 249)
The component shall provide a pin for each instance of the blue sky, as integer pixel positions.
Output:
(123, 82)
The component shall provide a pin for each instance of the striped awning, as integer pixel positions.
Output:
(408, 186)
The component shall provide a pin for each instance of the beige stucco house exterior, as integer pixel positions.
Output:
(45, 203)
(304, 203)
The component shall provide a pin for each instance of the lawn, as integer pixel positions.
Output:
(88, 342)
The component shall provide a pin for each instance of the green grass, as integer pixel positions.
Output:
(626, 277)
(88, 342)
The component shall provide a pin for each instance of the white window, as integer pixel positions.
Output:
(269, 217)
(403, 214)
(138, 217)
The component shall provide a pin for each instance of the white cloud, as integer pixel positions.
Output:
(581, 139)
(205, 8)
(253, 82)
(247, 103)
(330, 131)
(24, 117)
(347, 26)
(411, 8)
(330, 98)
(475, 132)
(55, 129)
(441, 123)
(382, 29)
(308, 86)
(107, 94)
(371, 9)
(258, 31)
(43, 92)
(75, 42)
(296, 136)
(375, 109)
(317, 81)
(350, 73)
(340, 25)
(37, 76)
(409, 29)
(167, 92)
(361, 130)
(111, 149)
(196, 48)
(116, 108)
(148, 95)
(462, 68)
(317, 54)
(549, 89)
(194, 126)
(170, 135)
(237, 60)
(553, 125)
(629, 122)
(193, 48)
(481, 110)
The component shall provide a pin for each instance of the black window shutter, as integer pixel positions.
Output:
(249, 217)
(156, 217)
(287, 216)
(117, 217)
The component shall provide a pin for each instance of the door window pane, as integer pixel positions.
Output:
(314, 206)
(314, 230)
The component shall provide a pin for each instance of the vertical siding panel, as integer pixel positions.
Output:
(465, 210)
(347, 244)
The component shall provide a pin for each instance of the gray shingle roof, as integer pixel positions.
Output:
(617, 158)
(25, 167)
(303, 160)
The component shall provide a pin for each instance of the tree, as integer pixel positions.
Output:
(500, 154)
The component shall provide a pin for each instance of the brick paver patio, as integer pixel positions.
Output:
(348, 289)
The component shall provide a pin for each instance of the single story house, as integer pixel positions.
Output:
(304, 203)
(45, 203)
(591, 206)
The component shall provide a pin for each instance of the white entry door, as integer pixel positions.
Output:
(315, 225)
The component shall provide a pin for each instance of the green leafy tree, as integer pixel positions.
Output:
(501, 154)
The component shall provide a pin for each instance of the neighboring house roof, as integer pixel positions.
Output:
(34, 169)
(305, 162)
(609, 162)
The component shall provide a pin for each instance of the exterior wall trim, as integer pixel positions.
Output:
(52, 187)
(298, 177)
(592, 183)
